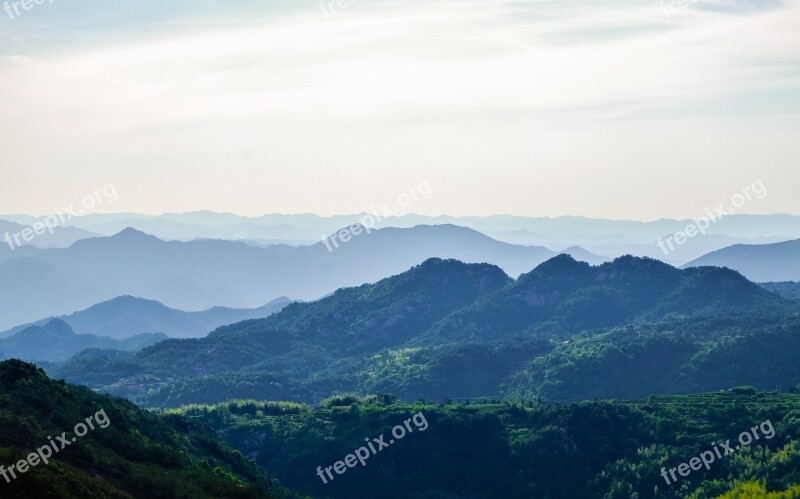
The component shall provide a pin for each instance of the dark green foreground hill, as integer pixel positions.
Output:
(587, 450)
(138, 455)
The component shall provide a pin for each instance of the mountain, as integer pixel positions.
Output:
(199, 274)
(127, 316)
(525, 230)
(449, 329)
(125, 452)
(567, 296)
(759, 263)
(678, 255)
(413, 245)
(55, 340)
(607, 237)
(60, 237)
(582, 255)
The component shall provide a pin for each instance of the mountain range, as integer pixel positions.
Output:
(601, 236)
(758, 262)
(450, 329)
(197, 275)
(59, 236)
(127, 316)
(55, 340)
(566, 331)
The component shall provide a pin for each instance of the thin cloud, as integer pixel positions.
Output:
(196, 90)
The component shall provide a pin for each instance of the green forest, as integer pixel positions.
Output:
(571, 381)
(495, 449)
(138, 455)
(563, 332)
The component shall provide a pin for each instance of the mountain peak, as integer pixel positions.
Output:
(638, 262)
(129, 300)
(131, 233)
(59, 326)
(442, 266)
(55, 327)
(561, 263)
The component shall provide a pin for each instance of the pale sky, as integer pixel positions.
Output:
(540, 108)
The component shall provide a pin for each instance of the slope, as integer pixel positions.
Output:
(126, 452)
(126, 316)
(199, 274)
(588, 450)
(449, 329)
(55, 340)
(758, 262)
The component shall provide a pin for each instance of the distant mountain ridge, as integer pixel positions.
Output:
(62, 235)
(602, 236)
(55, 340)
(758, 262)
(126, 316)
(197, 275)
(215, 225)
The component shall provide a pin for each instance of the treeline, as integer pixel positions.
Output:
(603, 450)
(675, 355)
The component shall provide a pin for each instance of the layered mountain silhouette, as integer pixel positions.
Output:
(601, 236)
(758, 262)
(197, 275)
(446, 328)
(55, 340)
(127, 316)
(61, 236)
(515, 229)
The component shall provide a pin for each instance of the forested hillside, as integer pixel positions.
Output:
(132, 454)
(789, 290)
(602, 450)
(565, 331)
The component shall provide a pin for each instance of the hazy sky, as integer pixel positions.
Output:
(607, 109)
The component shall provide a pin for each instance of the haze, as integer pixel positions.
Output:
(542, 108)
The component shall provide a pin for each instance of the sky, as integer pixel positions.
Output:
(628, 110)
